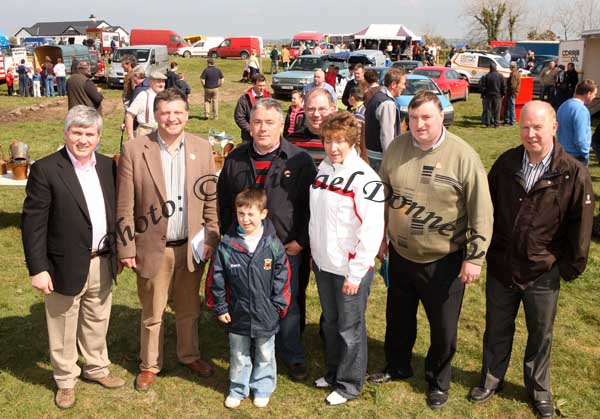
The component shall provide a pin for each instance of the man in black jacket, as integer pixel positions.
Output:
(286, 173)
(358, 71)
(543, 216)
(68, 227)
(494, 89)
(246, 102)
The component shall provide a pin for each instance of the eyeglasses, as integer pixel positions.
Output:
(315, 110)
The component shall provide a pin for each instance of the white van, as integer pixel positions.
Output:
(200, 48)
(151, 57)
(476, 64)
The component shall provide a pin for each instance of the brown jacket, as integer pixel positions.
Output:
(141, 195)
(552, 224)
(514, 84)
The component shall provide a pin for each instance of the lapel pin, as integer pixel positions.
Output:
(287, 173)
(192, 156)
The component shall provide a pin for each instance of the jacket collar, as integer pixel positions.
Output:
(285, 148)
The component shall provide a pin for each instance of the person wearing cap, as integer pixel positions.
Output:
(141, 109)
(211, 78)
(81, 90)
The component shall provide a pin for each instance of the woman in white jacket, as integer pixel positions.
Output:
(346, 228)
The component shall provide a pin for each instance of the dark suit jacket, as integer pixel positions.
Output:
(55, 223)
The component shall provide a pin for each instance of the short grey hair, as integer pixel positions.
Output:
(318, 91)
(83, 116)
(267, 103)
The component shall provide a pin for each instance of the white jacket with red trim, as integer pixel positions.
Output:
(346, 217)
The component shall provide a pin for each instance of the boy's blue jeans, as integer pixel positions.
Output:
(258, 375)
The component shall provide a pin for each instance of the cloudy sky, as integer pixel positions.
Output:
(269, 18)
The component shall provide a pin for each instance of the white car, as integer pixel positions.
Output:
(200, 48)
(476, 64)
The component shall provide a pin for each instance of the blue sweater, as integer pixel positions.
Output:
(574, 128)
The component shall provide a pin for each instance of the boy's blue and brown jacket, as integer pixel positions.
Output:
(254, 288)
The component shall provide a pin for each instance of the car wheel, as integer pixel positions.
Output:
(187, 54)
(214, 54)
(244, 55)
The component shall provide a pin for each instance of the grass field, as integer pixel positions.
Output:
(26, 385)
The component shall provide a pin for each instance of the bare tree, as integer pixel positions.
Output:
(515, 12)
(488, 15)
(588, 14)
(565, 19)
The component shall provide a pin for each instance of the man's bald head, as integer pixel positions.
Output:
(319, 77)
(538, 127)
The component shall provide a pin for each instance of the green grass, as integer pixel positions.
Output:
(26, 385)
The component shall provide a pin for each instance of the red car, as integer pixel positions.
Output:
(448, 80)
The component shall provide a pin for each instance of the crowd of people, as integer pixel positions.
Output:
(337, 190)
(38, 81)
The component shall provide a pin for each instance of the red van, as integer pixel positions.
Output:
(240, 46)
(310, 39)
(166, 37)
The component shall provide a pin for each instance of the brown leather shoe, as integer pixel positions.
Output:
(65, 398)
(109, 381)
(201, 368)
(144, 380)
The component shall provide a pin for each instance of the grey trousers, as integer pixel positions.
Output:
(502, 305)
(344, 331)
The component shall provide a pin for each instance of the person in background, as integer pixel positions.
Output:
(10, 82)
(574, 123)
(370, 84)
(358, 72)
(358, 108)
(245, 104)
(172, 76)
(142, 109)
(572, 78)
(212, 79)
(275, 55)
(61, 77)
(23, 79)
(182, 85)
(561, 88)
(331, 76)
(494, 89)
(294, 120)
(49, 73)
(81, 90)
(342, 224)
(548, 78)
(139, 81)
(74, 64)
(248, 288)
(36, 80)
(253, 64)
(285, 58)
(319, 81)
(128, 63)
(513, 86)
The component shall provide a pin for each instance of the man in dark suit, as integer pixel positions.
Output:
(68, 227)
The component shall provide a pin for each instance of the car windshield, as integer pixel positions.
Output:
(314, 63)
(432, 74)
(140, 54)
(502, 63)
(308, 42)
(415, 86)
(406, 65)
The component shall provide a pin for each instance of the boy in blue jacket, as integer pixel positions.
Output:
(248, 288)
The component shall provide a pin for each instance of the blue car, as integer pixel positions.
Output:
(415, 84)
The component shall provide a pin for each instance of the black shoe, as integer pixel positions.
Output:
(543, 409)
(386, 377)
(481, 394)
(437, 398)
(298, 372)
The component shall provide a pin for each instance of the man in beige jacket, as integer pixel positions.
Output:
(166, 190)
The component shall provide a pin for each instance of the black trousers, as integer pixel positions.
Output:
(493, 110)
(502, 305)
(438, 287)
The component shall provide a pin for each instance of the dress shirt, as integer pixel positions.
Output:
(94, 198)
(532, 172)
(173, 166)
